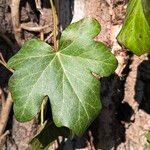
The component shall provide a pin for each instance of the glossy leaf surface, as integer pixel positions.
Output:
(64, 76)
(135, 33)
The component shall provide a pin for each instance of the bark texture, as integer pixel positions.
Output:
(124, 119)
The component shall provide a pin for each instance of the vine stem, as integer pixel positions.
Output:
(43, 105)
(5, 113)
(16, 20)
(42, 113)
(55, 27)
(3, 62)
(44, 100)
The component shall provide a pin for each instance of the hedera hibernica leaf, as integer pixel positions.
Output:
(135, 33)
(46, 136)
(148, 140)
(148, 136)
(64, 76)
(146, 9)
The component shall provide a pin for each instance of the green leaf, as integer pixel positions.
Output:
(148, 139)
(148, 136)
(148, 147)
(135, 33)
(65, 76)
(46, 136)
(146, 9)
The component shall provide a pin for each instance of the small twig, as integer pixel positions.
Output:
(2, 97)
(42, 35)
(3, 139)
(5, 114)
(16, 20)
(55, 28)
(33, 29)
(49, 37)
(2, 58)
(38, 5)
(3, 62)
(91, 140)
(5, 65)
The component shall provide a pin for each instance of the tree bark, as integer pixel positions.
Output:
(119, 124)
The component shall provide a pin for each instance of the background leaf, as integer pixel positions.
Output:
(46, 135)
(146, 9)
(148, 136)
(65, 76)
(148, 140)
(135, 33)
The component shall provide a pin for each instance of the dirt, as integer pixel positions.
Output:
(124, 119)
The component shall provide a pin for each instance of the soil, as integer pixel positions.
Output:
(124, 119)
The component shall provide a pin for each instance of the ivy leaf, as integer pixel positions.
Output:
(148, 136)
(146, 9)
(49, 132)
(148, 140)
(135, 33)
(148, 147)
(64, 76)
